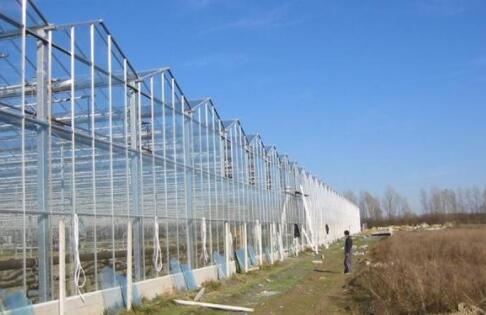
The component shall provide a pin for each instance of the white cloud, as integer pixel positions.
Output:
(220, 60)
(275, 17)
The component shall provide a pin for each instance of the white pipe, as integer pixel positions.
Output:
(129, 265)
(245, 247)
(258, 228)
(62, 266)
(280, 241)
(204, 253)
(157, 254)
(227, 238)
(272, 229)
(78, 269)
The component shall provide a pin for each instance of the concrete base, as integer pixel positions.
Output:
(95, 303)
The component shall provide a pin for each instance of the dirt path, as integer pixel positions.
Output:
(296, 286)
(319, 292)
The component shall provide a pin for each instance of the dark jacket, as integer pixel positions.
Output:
(296, 231)
(348, 245)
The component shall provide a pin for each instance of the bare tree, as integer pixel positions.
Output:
(460, 201)
(404, 208)
(390, 202)
(363, 208)
(349, 194)
(447, 201)
(436, 201)
(484, 200)
(476, 199)
(473, 200)
(370, 206)
(424, 201)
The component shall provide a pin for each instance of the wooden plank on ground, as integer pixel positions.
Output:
(216, 306)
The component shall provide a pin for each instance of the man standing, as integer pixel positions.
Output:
(326, 244)
(348, 252)
(296, 239)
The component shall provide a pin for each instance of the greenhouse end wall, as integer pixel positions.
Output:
(87, 139)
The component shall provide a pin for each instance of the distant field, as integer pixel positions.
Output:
(425, 272)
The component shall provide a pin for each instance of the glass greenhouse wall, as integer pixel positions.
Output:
(86, 138)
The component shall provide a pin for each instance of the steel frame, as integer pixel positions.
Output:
(82, 132)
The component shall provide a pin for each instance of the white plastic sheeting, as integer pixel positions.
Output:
(325, 206)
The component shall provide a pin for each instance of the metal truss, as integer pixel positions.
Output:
(83, 132)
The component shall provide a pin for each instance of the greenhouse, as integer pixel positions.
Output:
(127, 160)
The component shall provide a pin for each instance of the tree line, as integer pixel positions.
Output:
(436, 204)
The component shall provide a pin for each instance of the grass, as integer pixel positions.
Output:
(430, 218)
(419, 272)
(240, 289)
(295, 286)
(424, 272)
(212, 285)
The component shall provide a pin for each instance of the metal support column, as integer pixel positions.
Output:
(43, 234)
(188, 184)
(227, 247)
(62, 266)
(280, 241)
(245, 247)
(272, 245)
(135, 185)
(129, 266)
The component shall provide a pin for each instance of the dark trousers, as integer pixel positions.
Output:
(347, 262)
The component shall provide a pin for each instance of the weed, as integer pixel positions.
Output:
(212, 285)
(425, 272)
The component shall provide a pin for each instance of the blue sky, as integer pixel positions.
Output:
(364, 94)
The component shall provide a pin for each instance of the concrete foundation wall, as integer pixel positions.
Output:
(95, 303)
